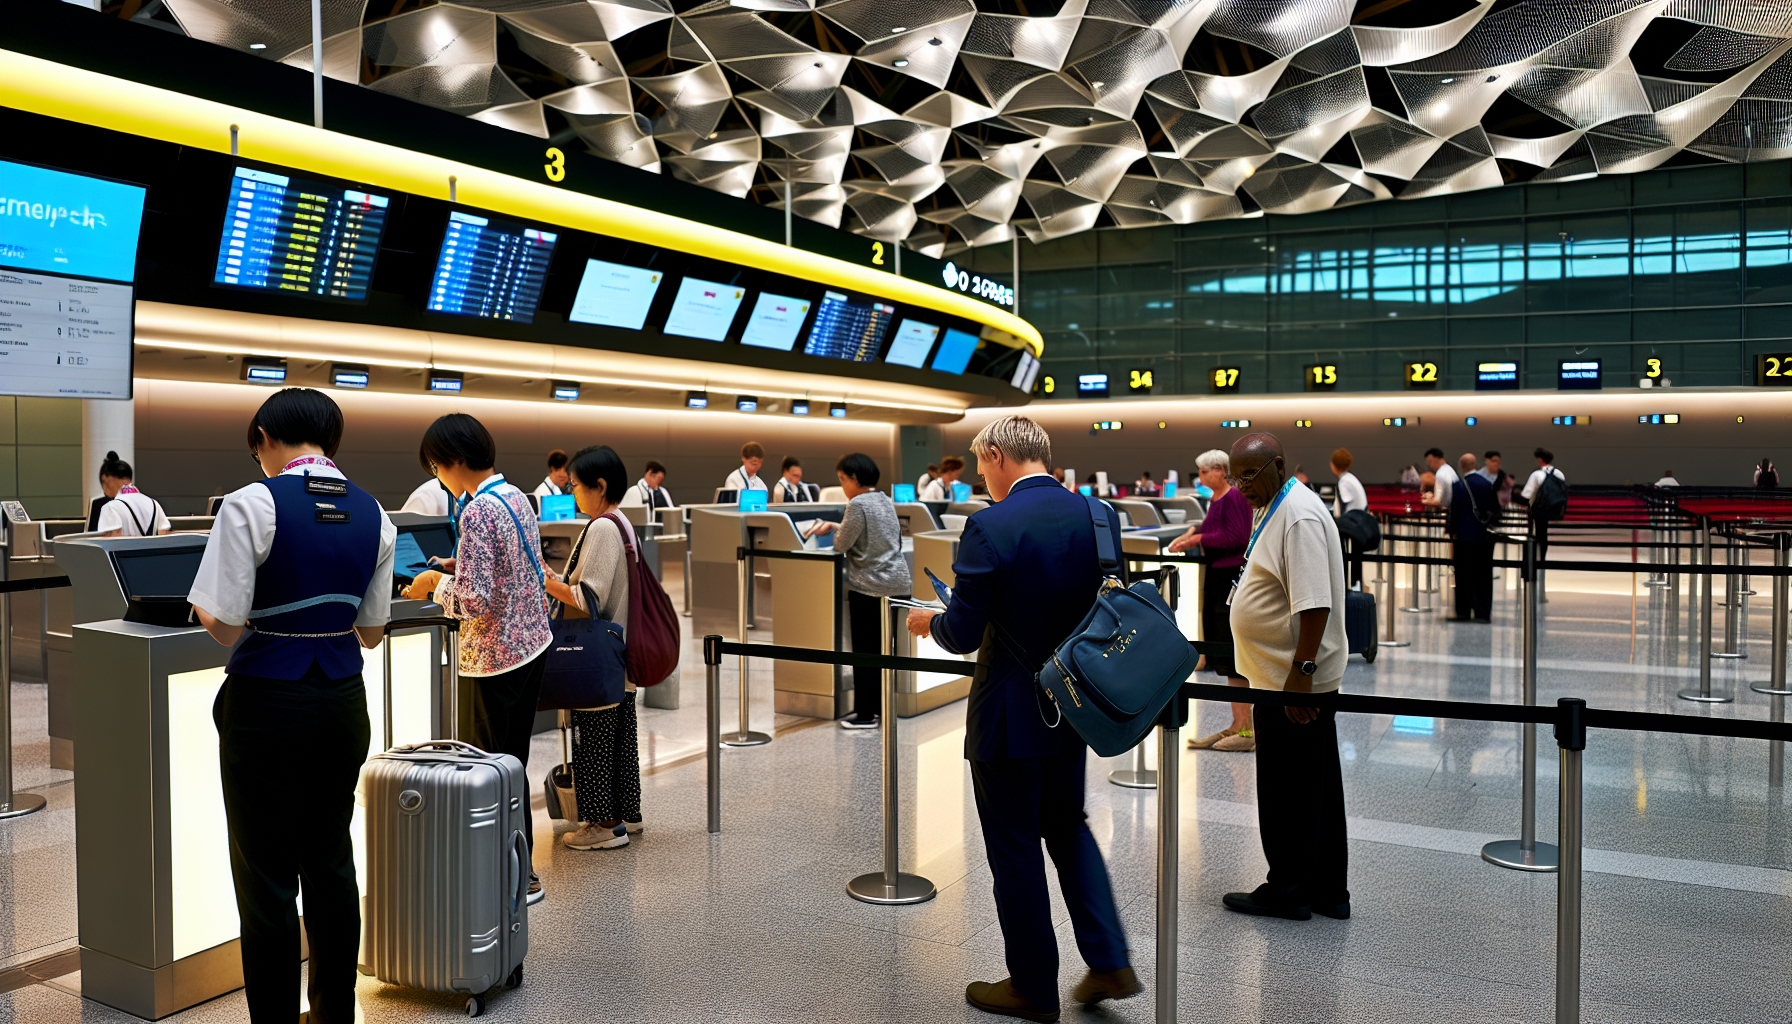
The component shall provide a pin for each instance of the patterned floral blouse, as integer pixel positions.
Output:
(496, 590)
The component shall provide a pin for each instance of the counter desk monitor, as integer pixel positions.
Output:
(902, 493)
(416, 545)
(555, 507)
(156, 581)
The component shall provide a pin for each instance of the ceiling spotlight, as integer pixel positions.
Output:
(1493, 78)
(935, 41)
(258, 46)
(898, 30)
(900, 62)
(1446, 81)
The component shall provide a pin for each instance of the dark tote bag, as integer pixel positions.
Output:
(585, 666)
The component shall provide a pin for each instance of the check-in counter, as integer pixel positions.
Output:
(804, 603)
(42, 623)
(1141, 550)
(923, 691)
(916, 517)
(157, 914)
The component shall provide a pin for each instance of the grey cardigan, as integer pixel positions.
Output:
(870, 536)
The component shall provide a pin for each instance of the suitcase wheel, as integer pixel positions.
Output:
(516, 977)
(1369, 653)
(475, 1005)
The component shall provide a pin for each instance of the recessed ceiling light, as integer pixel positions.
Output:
(1446, 81)
(899, 29)
(258, 46)
(900, 62)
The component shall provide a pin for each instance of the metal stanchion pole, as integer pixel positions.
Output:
(687, 572)
(1388, 592)
(386, 675)
(1776, 668)
(745, 737)
(890, 886)
(1703, 694)
(712, 670)
(1525, 853)
(451, 640)
(1169, 842)
(1413, 578)
(1732, 603)
(1571, 739)
(15, 804)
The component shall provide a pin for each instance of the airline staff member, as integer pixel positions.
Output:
(746, 478)
(790, 485)
(650, 490)
(306, 558)
(940, 487)
(558, 475)
(431, 498)
(126, 512)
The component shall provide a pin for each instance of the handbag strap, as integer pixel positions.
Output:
(522, 538)
(1104, 538)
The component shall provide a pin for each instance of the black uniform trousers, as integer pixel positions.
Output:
(290, 754)
(504, 715)
(1473, 561)
(1021, 801)
(862, 611)
(1300, 804)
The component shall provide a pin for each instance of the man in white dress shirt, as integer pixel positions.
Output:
(1444, 490)
(650, 491)
(558, 475)
(430, 499)
(746, 478)
(940, 487)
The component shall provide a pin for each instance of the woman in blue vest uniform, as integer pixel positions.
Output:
(303, 559)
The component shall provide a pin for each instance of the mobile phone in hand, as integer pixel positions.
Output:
(939, 587)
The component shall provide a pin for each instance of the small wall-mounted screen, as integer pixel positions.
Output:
(955, 351)
(298, 236)
(491, 268)
(913, 341)
(845, 329)
(776, 321)
(704, 309)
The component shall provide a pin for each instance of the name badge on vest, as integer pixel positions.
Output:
(327, 486)
(327, 513)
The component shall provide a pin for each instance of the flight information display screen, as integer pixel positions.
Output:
(615, 295)
(914, 340)
(845, 329)
(491, 268)
(955, 352)
(776, 321)
(64, 338)
(704, 309)
(67, 223)
(302, 237)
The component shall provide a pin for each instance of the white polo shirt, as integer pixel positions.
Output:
(1297, 564)
(1351, 495)
(144, 513)
(740, 481)
(430, 499)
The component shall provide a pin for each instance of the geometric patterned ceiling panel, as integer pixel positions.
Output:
(953, 123)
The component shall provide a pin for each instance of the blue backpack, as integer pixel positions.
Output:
(1114, 675)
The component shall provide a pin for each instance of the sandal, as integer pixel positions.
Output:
(1207, 742)
(1238, 742)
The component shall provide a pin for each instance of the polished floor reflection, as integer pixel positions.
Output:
(1688, 902)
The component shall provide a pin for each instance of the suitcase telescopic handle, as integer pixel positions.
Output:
(444, 745)
(519, 856)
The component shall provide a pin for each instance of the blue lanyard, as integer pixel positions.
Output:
(491, 482)
(1267, 514)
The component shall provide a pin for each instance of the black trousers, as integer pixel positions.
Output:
(1021, 801)
(606, 763)
(504, 714)
(290, 753)
(1473, 561)
(862, 611)
(1300, 804)
(1540, 531)
(1216, 617)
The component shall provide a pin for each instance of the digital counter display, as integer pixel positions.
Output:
(848, 330)
(301, 237)
(1578, 375)
(1496, 377)
(490, 268)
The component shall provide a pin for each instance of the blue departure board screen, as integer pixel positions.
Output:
(955, 352)
(845, 329)
(287, 234)
(491, 268)
(67, 223)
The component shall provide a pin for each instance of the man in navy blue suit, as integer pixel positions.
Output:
(1027, 573)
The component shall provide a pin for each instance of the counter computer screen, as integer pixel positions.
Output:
(490, 268)
(298, 236)
(159, 571)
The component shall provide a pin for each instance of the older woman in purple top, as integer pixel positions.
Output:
(1223, 536)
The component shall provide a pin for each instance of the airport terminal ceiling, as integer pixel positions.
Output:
(955, 123)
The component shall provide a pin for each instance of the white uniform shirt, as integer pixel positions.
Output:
(430, 499)
(643, 496)
(546, 487)
(1536, 481)
(787, 491)
(740, 481)
(1446, 485)
(145, 512)
(922, 481)
(1351, 495)
(1667, 481)
(242, 537)
(1296, 565)
(936, 490)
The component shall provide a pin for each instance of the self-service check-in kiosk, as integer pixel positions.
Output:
(157, 917)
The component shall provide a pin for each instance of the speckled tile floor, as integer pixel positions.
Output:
(1688, 896)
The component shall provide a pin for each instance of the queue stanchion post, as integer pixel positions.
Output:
(1775, 686)
(1390, 593)
(15, 804)
(890, 887)
(1169, 842)
(386, 690)
(1413, 579)
(1732, 602)
(1704, 694)
(712, 672)
(1140, 775)
(1525, 853)
(1571, 740)
(745, 737)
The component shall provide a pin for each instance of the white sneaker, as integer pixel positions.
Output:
(595, 837)
(858, 723)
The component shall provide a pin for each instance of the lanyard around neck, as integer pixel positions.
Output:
(1268, 514)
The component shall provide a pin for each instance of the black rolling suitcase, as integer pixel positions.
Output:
(1360, 636)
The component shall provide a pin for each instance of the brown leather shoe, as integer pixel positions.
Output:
(1000, 998)
(1120, 984)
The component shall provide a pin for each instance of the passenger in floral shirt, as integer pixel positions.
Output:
(493, 585)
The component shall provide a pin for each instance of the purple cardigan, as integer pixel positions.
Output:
(1227, 529)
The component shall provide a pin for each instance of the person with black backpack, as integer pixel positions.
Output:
(1474, 512)
(1546, 492)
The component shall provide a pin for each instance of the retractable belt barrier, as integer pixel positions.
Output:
(12, 804)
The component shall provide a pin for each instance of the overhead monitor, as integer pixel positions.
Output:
(704, 309)
(66, 223)
(1578, 375)
(1496, 377)
(913, 341)
(298, 236)
(845, 329)
(491, 268)
(1028, 371)
(64, 338)
(955, 351)
(615, 295)
(775, 322)
(1092, 385)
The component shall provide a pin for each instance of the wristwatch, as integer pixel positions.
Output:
(1307, 668)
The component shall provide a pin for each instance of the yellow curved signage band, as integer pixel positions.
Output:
(86, 97)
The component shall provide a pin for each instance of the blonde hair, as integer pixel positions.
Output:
(1015, 436)
(1213, 458)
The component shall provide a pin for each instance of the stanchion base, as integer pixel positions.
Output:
(908, 889)
(1510, 853)
(1656, 583)
(1768, 689)
(1126, 778)
(1393, 643)
(1714, 697)
(1728, 654)
(1416, 611)
(745, 739)
(21, 805)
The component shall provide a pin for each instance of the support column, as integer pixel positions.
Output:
(107, 424)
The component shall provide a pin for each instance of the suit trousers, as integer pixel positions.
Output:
(504, 715)
(1473, 561)
(289, 754)
(1021, 801)
(1300, 804)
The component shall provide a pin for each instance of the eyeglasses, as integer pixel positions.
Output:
(1245, 481)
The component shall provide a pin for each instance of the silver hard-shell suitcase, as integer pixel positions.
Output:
(446, 907)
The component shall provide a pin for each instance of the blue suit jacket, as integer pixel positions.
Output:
(1462, 514)
(1029, 563)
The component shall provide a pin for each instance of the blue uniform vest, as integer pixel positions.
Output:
(326, 548)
